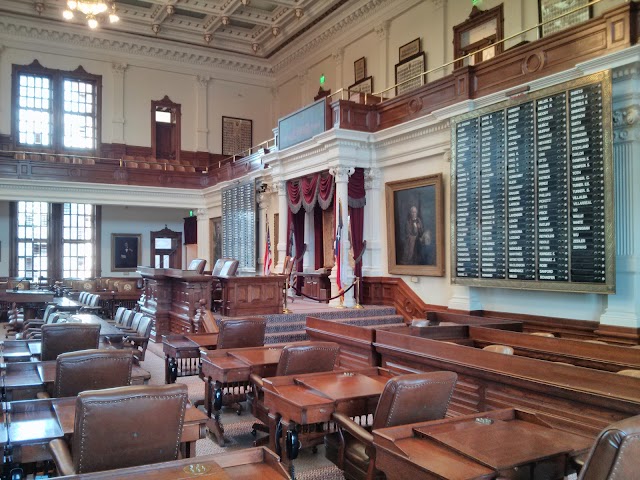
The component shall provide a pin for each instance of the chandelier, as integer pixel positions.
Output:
(92, 9)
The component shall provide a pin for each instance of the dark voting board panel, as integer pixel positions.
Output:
(532, 191)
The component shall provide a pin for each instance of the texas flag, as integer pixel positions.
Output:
(336, 247)
(266, 269)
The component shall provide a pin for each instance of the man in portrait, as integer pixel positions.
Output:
(413, 231)
(126, 253)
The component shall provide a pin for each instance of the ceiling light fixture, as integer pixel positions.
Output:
(92, 10)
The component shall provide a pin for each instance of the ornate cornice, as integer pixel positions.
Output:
(362, 14)
(15, 27)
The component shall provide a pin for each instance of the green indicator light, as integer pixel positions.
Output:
(191, 213)
(322, 79)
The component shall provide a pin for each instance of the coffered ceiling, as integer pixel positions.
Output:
(253, 27)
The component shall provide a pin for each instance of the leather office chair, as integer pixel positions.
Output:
(229, 268)
(217, 268)
(123, 427)
(68, 337)
(242, 333)
(135, 341)
(33, 331)
(503, 349)
(197, 264)
(406, 399)
(295, 360)
(616, 453)
(91, 370)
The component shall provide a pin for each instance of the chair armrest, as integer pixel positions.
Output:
(256, 380)
(33, 324)
(348, 425)
(61, 456)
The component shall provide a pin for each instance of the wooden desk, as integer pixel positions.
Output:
(316, 285)
(461, 448)
(182, 353)
(246, 295)
(19, 350)
(581, 400)
(66, 304)
(247, 464)
(30, 300)
(227, 372)
(313, 398)
(36, 422)
(24, 380)
(106, 328)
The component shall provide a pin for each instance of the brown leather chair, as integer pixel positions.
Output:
(217, 268)
(197, 264)
(229, 268)
(242, 333)
(295, 360)
(503, 349)
(406, 399)
(135, 341)
(123, 427)
(68, 337)
(616, 452)
(91, 370)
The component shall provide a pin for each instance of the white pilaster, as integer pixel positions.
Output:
(117, 122)
(341, 176)
(202, 122)
(204, 236)
(623, 308)
(303, 81)
(275, 105)
(464, 298)
(372, 258)
(262, 199)
(283, 209)
(338, 57)
(382, 31)
(308, 260)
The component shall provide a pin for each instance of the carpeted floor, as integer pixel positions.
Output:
(308, 466)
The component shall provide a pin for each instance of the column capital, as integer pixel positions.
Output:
(626, 123)
(338, 55)
(372, 178)
(302, 77)
(280, 187)
(341, 174)
(203, 80)
(202, 212)
(382, 30)
(119, 68)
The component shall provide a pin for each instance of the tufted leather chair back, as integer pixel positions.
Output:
(91, 370)
(197, 264)
(414, 398)
(217, 268)
(311, 358)
(68, 337)
(229, 268)
(120, 427)
(241, 333)
(616, 453)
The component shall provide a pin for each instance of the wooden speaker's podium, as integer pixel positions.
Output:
(170, 297)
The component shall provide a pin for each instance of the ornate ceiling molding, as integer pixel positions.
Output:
(14, 27)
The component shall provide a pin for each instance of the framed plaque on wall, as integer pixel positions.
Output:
(552, 9)
(363, 86)
(409, 49)
(409, 69)
(359, 69)
(237, 135)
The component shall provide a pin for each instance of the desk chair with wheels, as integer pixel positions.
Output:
(295, 360)
(406, 399)
(123, 427)
(68, 337)
(90, 370)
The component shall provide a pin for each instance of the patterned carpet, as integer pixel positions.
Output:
(309, 466)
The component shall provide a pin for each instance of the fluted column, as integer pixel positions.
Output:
(202, 122)
(382, 32)
(338, 57)
(283, 209)
(623, 308)
(372, 258)
(308, 260)
(341, 176)
(263, 202)
(117, 121)
(204, 236)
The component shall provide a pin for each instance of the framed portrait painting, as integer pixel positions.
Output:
(415, 226)
(126, 252)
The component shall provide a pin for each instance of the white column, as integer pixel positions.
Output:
(263, 202)
(117, 122)
(308, 260)
(382, 31)
(623, 308)
(372, 258)
(202, 106)
(204, 236)
(338, 57)
(341, 175)
(283, 209)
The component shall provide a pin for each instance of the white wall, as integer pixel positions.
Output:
(143, 220)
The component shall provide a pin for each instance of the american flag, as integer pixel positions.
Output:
(336, 247)
(267, 252)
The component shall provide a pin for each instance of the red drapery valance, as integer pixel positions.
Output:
(306, 192)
